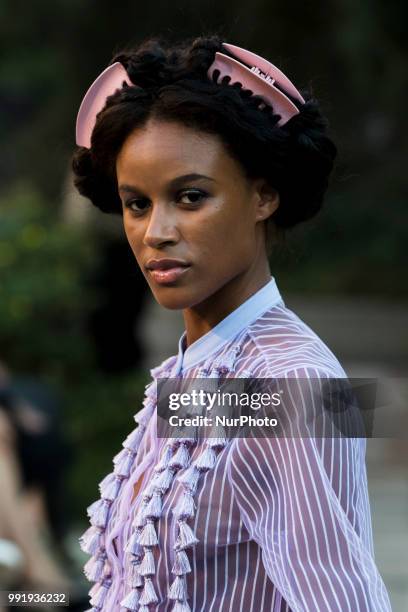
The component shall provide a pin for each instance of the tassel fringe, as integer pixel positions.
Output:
(139, 521)
(134, 579)
(134, 439)
(181, 459)
(99, 597)
(164, 480)
(106, 481)
(165, 458)
(206, 461)
(100, 515)
(185, 507)
(148, 537)
(189, 479)
(90, 541)
(93, 590)
(154, 507)
(178, 589)
(181, 564)
(148, 595)
(93, 569)
(147, 566)
(124, 465)
(133, 546)
(186, 536)
(111, 490)
(131, 601)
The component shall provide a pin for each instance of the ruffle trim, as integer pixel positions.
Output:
(175, 463)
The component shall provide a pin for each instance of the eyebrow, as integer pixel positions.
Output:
(178, 180)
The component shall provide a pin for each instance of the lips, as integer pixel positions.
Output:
(166, 277)
(165, 264)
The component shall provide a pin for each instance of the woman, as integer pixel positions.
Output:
(209, 152)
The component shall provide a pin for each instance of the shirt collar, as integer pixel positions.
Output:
(227, 329)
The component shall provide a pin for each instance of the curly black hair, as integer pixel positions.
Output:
(171, 83)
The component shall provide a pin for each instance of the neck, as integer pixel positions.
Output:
(201, 318)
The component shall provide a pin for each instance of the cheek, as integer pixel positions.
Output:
(232, 227)
(134, 237)
(223, 241)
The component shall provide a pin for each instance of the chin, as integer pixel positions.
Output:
(173, 298)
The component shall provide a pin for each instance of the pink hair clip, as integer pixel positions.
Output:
(251, 70)
(258, 75)
(107, 83)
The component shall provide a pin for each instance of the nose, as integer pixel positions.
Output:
(161, 228)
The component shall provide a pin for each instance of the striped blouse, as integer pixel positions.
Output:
(249, 524)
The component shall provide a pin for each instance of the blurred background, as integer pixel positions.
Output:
(78, 329)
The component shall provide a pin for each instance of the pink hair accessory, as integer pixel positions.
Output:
(251, 70)
(107, 83)
(258, 75)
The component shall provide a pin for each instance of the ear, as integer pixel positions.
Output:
(266, 200)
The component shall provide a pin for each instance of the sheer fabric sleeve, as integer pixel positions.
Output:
(305, 502)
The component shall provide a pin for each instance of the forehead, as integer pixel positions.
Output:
(171, 146)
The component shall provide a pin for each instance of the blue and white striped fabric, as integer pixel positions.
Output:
(282, 524)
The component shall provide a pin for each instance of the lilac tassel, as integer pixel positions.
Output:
(148, 536)
(118, 458)
(139, 520)
(186, 536)
(185, 507)
(148, 595)
(90, 541)
(147, 567)
(134, 579)
(131, 601)
(100, 516)
(164, 480)
(111, 489)
(189, 478)
(181, 459)
(149, 490)
(133, 440)
(99, 597)
(106, 481)
(93, 569)
(133, 547)
(124, 465)
(93, 590)
(151, 389)
(165, 458)
(181, 606)
(91, 509)
(154, 507)
(207, 459)
(178, 589)
(181, 564)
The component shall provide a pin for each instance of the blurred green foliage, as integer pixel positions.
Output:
(42, 300)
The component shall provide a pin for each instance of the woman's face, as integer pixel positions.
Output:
(185, 198)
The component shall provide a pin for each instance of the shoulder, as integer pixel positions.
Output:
(280, 343)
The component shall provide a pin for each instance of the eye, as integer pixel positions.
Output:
(194, 196)
(137, 205)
